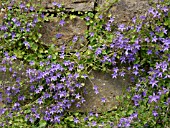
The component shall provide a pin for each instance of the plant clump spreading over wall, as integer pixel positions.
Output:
(52, 76)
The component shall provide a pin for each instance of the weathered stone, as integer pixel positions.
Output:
(108, 88)
(74, 27)
(77, 5)
(2, 14)
(125, 10)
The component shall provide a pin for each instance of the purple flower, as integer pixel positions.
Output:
(37, 91)
(62, 94)
(149, 52)
(22, 5)
(14, 20)
(153, 82)
(91, 34)
(41, 63)
(103, 100)
(58, 35)
(3, 69)
(122, 73)
(26, 9)
(78, 85)
(78, 105)
(35, 20)
(154, 113)
(21, 29)
(96, 89)
(21, 98)
(91, 114)
(114, 75)
(37, 116)
(9, 7)
(81, 67)
(86, 119)
(100, 17)
(121, 27)
(40, 101)
(27, 29)
(3, 27)
(142, 17)
(82, 100)
(147, 40)
(46, 95)
(62, 22)
(87, 18)
(111, 19)
(134, 115)
(75, 38)
(18, 23)
(98, 51)
(136, 97)
(94, 123)
(134, 19)
(153, 98)
(41, 88)
(32, 63)
(165, 9)
(54, 3)
(115, 70)
(154, 39)
(16, 104)
(57, 119)
(76, 120)
(135, 72)
(13, 35)
(42, 15)
(62, 55)
(31, 8)
(78, 96)
(108, 28)
(124, 123)
(138, 27)
(26, 44)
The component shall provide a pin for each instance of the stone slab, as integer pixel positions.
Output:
(74, 27)
(125, 10)
(77, 5)
(108, 88)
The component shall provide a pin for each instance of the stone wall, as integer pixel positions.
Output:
(123, 11)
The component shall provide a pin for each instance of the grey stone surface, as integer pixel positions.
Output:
(74, 27)
(108, 88)
(125, 10)
(77, 5)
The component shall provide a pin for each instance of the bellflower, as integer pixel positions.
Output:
(62, 22)
(154, 98)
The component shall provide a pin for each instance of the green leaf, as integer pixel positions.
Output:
(42, 123)
(70, 118)
(167, 22)
(72, 16)
(130, 112)
(34, 47)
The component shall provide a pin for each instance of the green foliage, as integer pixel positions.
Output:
(103, 51)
